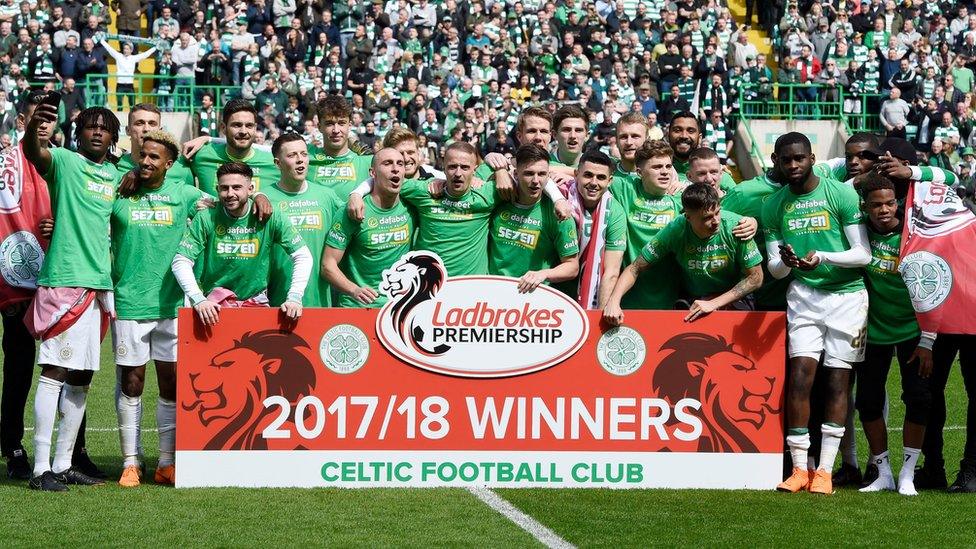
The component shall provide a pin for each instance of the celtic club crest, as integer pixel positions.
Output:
(344, 349)
(621, 351)
(928, 279)
(21, 258)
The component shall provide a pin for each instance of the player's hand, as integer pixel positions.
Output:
(505, 188)
(205, 203)
(46, 228)
(496, 161)
(891, 167)
(746, 228)
(809, 262)
(436, 188)
(563, 209)
(561, 178)
(700, 308)
(924, 358)
(191, 147)
(788, 256)
(262, 207)
(43, 114)
(292, 309)
(613, 314)
(356, 209)
(364, 295)
(208, 311)
(531, 280)
(129, 184)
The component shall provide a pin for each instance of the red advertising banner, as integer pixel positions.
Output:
(533, 392)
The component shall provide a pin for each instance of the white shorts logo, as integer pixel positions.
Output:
(621, 351)
(21, 258)
(928, 279)
(344, 349)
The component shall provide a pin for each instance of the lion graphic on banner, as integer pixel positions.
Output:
(411, 281)
(233, 387)
(735, 395)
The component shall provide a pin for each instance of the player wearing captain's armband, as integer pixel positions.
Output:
(719, 270)
(236, 249)
(310, 209)
(813, 229)
(146, 231)
(527, 240)
(357, 252)
(892, 330)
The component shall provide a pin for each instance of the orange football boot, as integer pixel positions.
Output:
(797, 481)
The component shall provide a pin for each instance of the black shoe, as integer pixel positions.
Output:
(47, 482)
(18, 467)
(930, 478)
(847, 475)
(870, 474)
(82, 463)
(74, 476)
(966, 479)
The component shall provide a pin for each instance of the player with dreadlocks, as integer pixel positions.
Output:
(76, 277)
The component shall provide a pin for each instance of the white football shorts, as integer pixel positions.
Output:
(834, 324)
(137, 341)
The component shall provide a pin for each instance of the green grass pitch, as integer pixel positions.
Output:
(153, 516)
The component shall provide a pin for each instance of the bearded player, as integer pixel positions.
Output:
(237, 251)
(814, 231)
(146, 231)
(76, 276)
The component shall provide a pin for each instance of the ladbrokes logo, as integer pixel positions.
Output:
(474, 326)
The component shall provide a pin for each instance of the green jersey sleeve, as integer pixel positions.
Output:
(567, 240)
(284, 233)
(663, 242)
(849, 206)
(195, 239)
(769, 222)
(413, 190)
(342, 232)
(747, 254)
(616, 235)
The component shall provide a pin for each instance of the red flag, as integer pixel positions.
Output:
(938, 260)
(24, 201)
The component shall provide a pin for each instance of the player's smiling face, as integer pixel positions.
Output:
(240, 129)
(859, 159)
(592, 181)
(531, 178)
(153, 160)
(683, 136)
(411, 157)
(292, 160)
(706, 171)
(233, 190)
(571, 135)
(630, 138)
(459, 167)
(388, 170)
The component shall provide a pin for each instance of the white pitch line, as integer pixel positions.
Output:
(545, 536)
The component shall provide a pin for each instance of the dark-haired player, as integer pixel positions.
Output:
(719, 270)
(237, 249)
(336, 165)
(527, 240)
(684, 136)
(892, 331)
(147, 228)
(310, 209)
(813, 229)
(76, 276)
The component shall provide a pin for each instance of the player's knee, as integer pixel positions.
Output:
(132, 381)
(166, 379)
(79, 378)
(918, 405)
(57, 373)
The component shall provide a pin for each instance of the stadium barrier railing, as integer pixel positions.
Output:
(169, 93)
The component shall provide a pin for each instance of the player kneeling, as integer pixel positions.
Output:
(237, 249)
(718, 269)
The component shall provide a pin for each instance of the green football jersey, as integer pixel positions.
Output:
(82, 195)
(371, 245)
(454, 228)
(657, 287)
(816, 221)
(710, 266)
(180, 171)
(342, 173)
(834, 168)
(891, 317)
(214, 155)
(237, 251)
(529, 238)
(146, 231)
(746, 199)
(614, 237)
(311, 212)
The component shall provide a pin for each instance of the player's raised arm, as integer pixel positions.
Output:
(35, 148)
